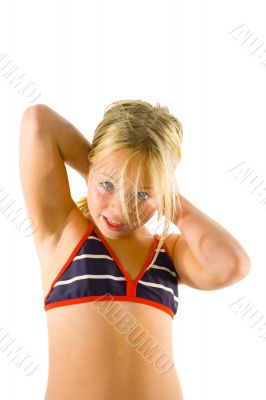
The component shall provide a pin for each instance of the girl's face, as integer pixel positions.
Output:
(104, 202)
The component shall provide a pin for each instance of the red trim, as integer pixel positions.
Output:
(111, 298)
(131, 288)
(70, 258)
(171, 257)
(130, 282)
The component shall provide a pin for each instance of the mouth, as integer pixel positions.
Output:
(113, 224)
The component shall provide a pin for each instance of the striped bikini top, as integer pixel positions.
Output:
(93, 272)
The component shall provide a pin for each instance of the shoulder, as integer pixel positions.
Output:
(170, 243)
(69, 232)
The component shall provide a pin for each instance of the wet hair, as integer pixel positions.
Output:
(152, 137)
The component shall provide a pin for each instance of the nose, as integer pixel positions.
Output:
(115, 208)
(115, 212)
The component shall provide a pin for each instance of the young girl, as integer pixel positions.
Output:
(111, 287)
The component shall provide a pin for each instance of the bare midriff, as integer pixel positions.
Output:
(116, 351)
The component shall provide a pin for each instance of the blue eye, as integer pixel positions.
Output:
(145, 198)
(102, 183)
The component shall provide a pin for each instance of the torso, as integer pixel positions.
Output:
(89, 358)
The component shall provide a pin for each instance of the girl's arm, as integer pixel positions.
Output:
(72, 145)
(209, 247)
(46, 142)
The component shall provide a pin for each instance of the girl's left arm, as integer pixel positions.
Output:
(209, 246)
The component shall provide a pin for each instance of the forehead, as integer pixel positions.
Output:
(112, 165)
(114, 159)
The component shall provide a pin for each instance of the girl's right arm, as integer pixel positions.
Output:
(72, 145)
(47, 141)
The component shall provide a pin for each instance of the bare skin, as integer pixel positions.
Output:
(88, 357)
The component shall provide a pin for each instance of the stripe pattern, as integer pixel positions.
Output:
(93, 271)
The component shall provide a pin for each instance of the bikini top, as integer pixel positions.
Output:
(93, 272)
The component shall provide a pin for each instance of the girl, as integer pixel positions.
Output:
(111, 287)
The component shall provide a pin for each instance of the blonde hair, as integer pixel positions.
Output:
(153, 139)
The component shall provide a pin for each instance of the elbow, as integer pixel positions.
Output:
(31, 118)
(36, 108)
(241, 270)
(243, 266)
(33, 112)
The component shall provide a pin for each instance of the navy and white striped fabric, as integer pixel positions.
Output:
(93, 272)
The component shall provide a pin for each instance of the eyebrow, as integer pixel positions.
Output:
(110, 176)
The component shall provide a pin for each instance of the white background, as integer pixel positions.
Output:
(84, 55)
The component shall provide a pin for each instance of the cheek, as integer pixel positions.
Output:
(146, 210)
(95, 196)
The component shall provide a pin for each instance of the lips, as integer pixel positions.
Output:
(113, 223)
